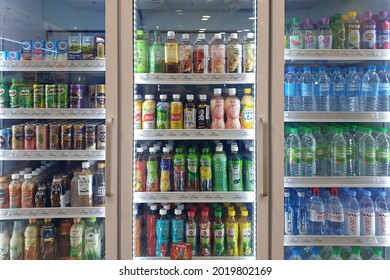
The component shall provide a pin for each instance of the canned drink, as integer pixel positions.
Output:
(4, 139)
(39, 96)
(101, 137)
(10, 138)
(18, 137)
(90, 137)
(26, 97)
(66, 137)
(51, 96)
(78, 137)
(4, 98)
(54, 136)
(77, 92)
(13, 94)
(92, 96)
(100, 96)
(62, 96)
(42, 136)
(30, 142)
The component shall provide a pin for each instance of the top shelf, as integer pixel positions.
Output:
(54, 65)
(189, 79)
(337, 55)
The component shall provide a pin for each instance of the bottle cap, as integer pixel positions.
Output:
(217, 35)
(149, 96)
(293, 130)
(231, 213)
(233, 35)
(76, 220)
(295, 20)
(190, 97)
(139, 150)
(201, 36)
(163, 96)
(306, 68)
(247, 90)
(244, 213)
(191, 213)
(301, 193)
(85, 164)
(287, 194)
(22, 172)
(28, 169)
(371, 68)
(185, 36)
(180, 206)
(135, 212)
(28, 176)
(234, 148)
(167, 207)
(202, 96)
(138, 96)
(92, 219)
(177, 211)
(232, 91)
(192, 150)
(352, 193)
(250, 35)
(205, 212)
(382, 193)
(153, 207)
(336, 250)
(47, 220)
(176, 96)
(205, 150)
(367, 193)
(32, 220)
(152, 150)
(217, 91)
(140, 32)
(166, 150)
(219, 148)
(218, 213)
(163, 211)
(352, 14)
(179, 150)
(15, 176)
(377, 251)
(35, 173)
(101, 165)
(171, 34)
(315, 251)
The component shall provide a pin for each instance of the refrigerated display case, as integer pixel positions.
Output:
(53, 54)
(354, 181)
(141, 89)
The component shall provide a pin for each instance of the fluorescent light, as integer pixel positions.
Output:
(178, 11)
(246, 30)
(201, 31)
(204, 29)
(252, 18)
(222, 33)
(204, 19)
(206, 16)
(180, 14)
(239, 31)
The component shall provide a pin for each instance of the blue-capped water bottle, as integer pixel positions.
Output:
(306, 89)
(322, 90)
(289, 223)
(382, 215)
(384, 89)
(337, 89)
(369, 91)
(350, 102)
(367, 215)
(291, 82)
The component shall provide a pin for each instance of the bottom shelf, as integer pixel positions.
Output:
(326, 240)
(198, 258)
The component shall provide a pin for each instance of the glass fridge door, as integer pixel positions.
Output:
(53, 131)
(336, 113)
(192, 147)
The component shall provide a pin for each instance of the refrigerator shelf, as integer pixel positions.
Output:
(337, 55)
(324, 240)
(347, 181)
(197, 258)
(194, 134)
(73, 155)
(52, 113)
(41, 213)
(188, 197)
(290, 116)
(53, 65)
(189, 79)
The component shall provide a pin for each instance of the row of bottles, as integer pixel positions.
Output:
(333, 253)
(50, 240)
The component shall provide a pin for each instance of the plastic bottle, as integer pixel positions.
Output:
(217, 54)
(4, 242)
(48, 240)
(370, 90)
(231, 234)
(202, 113)
(382, 215)
(99, 186)
(383, 89)
(152, 179)
(249, 170)
(382, 153)
(234, 54)
(141, 53)
(294, 153)
(151, 235)
(368, 32)
(352, 215)
(322, 90)
(301, 213)
(232, 110)
(315, 255)
(296, 35)
(28, 192)
(177, 227)
(156, 54)
(201, 54)
(353, 31)
(308, 153)
(179, 170)
(355, 254)
(186, 50)
(335, 254)
(247, 115)
(31, 241)
(334, 223)
(350, 102)
(249, 53)
(4, 193)
(218, 234)
(189, 114)
(377, 254)
(206, 165)
(289, 215)
(162, 230)
(162, 113)
(137, 233)
(149, 112)
(205, 234)
(339, 33)
(140, 171)
(338, 154)
(176, 113)
(306, 90)
(310, 40)
(192, 232)
(171, 54)
(85, 186)
(92, 248)
(367, 154)
(245, 235)
(235, 170)
(217, 107)
(291, 83)
(192, 172)
(383, 31)
(77, 239)
(296, 255)
(367, 215)
(165, 171)
(337, 89)
(219, 161)
(351, 147)
(320, 151)
(16, 242)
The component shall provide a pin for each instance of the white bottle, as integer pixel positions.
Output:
(4, 242)
(16, 241)
(232, 110)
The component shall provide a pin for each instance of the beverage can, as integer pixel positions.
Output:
(66, 137)
(4, 98)
(14, 94)
(54, 136)
(100, 96)
(38, 96)
(18, 137)
(92, 96)
(62, 96)
(30, 137)
(77, 92)
(79, 137)
(4, 139)
(42, 135)
(90, 137)
(26, 97)
(51, 96)
(101, 137)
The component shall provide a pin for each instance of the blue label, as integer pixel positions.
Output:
(369, 90)
(302, 221)
(177, 230)
(307, 89)
(338, 90)
(165, 165)
(290, 89)
(323, 89)
(384, 89)
(353, 90)
(162, 229)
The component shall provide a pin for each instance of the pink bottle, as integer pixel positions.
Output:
(217, 107)
(232, 109)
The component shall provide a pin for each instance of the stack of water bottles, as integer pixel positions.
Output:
(351, 89)
(336, 150)
(333, 253)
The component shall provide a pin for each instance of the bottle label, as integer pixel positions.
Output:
(141, 56)
(249, 175)
(201, 58)
(384, 35)
(91, 246)
(204, 232)
(220, 174)
(140, 169)
(192, 165)
(341, 156)
(353, 90)
(248, 114)
(316, 217)
(176, 115)
(289, 221)
(177, 230)
(307, 89)
(185, 53)
(296, 156)
(368, 223)
(325, 42)
(249, 57)
(203, 115)
(352, 223)
(219, 240)
(370, 90)
(152, 176)
(16, 252)
(308, 155)
(384, 89)
(231, 239)
(320, 153)
(323, 89)
(310, 42)
(156, 58)
(236, 175)
(217, 58)
(383, 224)
(76, 242)
(353, 36)
(302, 221)
(191, 230)
(296, 42)
(85, 185)
(162, 229)
(336, 217)
(369, 156)
(232, 108)
(290, 89)
(369, 37)
(171, 53)
(338, 90)
(162, 115)
(148, 115)
(189, 118)
(165, 177)
(383, 155)
(234, 57)
(205, 169)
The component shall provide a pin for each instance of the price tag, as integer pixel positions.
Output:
(318, 240)
(287, 180)
(199, 133)
(186, 78)
(306, 240)
(358, 241)
(182, 196)
(84, 211)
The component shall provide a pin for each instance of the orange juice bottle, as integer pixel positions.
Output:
(247, 115)
(176, 113)
(149, 113)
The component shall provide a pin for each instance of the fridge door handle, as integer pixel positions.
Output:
(264, 153)
(109, 121)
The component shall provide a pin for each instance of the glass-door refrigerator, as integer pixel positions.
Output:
(57, 134)
(336, 140)
(194, 130)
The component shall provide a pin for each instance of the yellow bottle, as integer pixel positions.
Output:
(245, 232)
(176, 113)
(247, 115)
(231, 234)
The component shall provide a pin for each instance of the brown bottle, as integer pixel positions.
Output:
(171, 49)
(56, 192)
(4, 193)
(64, 238)
(48, 240)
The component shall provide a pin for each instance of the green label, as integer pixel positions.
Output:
(219, 240)
(162, 115)
(369, 156)
(341, 156)
(296, 156)
(192, 167)
(308, 155)
(249, 166)
(320, 153)
(235, 175)
(141, 56)
(152, 176)
(219, 174)
(383, 155)
(349, 153)
(231, 239)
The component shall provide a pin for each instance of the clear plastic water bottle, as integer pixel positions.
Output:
(322, 90)
(337, 89)
(301, 213)
(325, 38)
(291, 82)
(383, 153)
(382, 215)
(366, 252)
(315, 214)
(296, 35)
(359, 133)
(335, 254)
(350, 151)
(326, 252)
(367, 157)
(377, 254)
(360, 72)
(350, 103)
(306, 89)
(367, 215)
(308, 153)
(355, 254)
(369, 91)
(294, 154)
(289, 223)
(296, 254)
(329, 132)
(306, 252)
(334, 222)
(320, 151)
(315, 254)
(310, 40)
(338, 154)
(384, 89)
(352, 215)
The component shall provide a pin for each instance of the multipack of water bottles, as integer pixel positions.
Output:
(351, 89)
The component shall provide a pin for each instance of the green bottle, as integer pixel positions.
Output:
(141, 53)
(4, 91)
(13, 92)
(249, 167)
(156, 54)
(179, 170)
(206, 178)
(219, 234)
(235, 170)
(192, 182)
(92, 242)
(220, 170)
